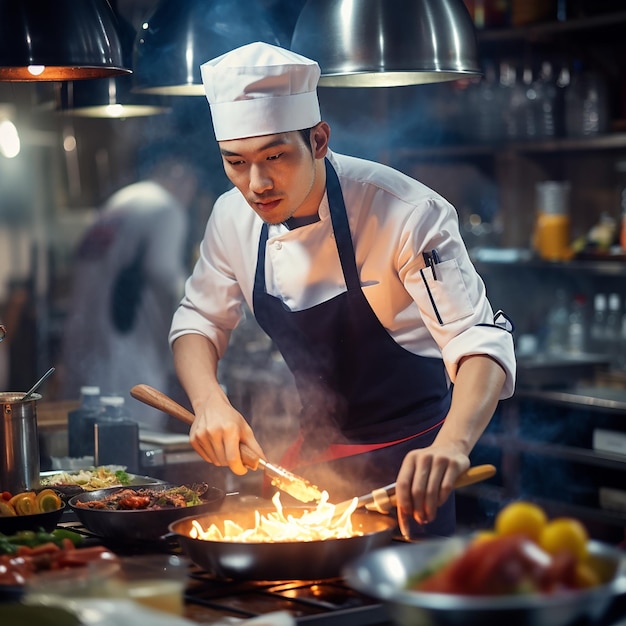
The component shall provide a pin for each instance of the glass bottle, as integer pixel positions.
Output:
(586, 104)
(558, 325)
(576, 332)
(116, 436)
(80, 423)
(598, 324)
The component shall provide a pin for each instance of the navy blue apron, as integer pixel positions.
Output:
(366, 401)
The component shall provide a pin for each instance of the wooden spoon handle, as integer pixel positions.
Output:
(157, 399)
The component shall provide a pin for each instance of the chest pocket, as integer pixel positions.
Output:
(447, 292)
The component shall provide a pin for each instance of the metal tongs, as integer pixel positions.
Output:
(383, 500)
(282, 479)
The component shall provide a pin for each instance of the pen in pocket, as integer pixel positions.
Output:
(431, 259)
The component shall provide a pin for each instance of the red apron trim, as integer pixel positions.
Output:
(335, 451)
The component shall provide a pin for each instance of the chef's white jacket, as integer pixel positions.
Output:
(393, 220)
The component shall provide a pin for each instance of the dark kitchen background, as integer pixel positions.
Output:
(551, 107)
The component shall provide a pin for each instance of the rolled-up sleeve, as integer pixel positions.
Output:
(452, 297)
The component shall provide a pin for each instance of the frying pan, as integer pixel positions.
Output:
(138, 525)
(307, 560)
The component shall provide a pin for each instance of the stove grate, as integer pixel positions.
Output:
(323, 603)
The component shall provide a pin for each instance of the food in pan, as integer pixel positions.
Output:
(316, 524)
(526, 552)
(89, 479)
(29, 502)
(145, 498)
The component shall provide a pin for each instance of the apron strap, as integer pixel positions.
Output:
(291, 456)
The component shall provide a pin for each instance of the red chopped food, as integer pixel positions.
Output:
(144, 498)
(16, 569)
(504, 565)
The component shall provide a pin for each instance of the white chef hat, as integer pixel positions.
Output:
(260, 89)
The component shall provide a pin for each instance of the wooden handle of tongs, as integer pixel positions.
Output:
(158, 400)
(384, 499)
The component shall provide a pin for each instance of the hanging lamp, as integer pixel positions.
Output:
(58, 40)
(111, 98)
(180, 35)
(387, 43)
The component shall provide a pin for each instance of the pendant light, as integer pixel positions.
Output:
(111, 98)
(180, 35)
(54, 40)
(386, 43)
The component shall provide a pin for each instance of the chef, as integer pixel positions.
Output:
(360, 277)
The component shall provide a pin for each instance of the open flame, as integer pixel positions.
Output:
(317, 524)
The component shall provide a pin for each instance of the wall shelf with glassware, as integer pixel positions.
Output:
(609, 267)
(549, 453)
(541, 30)
(613, 141)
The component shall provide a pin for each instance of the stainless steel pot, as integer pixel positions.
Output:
(19, 442)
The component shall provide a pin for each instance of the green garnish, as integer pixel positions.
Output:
(123, 477)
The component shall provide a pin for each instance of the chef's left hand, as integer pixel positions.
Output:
(425, 481)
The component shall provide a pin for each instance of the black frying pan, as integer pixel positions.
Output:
(142, 525)
(307, 560)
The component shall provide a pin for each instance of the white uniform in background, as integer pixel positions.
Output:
(94, 352)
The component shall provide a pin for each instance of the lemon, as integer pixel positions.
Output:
(565, 534)
(521, 518)
(47, 500)
(24, 503)
(586, 576)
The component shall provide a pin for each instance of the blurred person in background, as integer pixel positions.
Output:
(129, 273)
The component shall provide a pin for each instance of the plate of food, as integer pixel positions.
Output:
(27, 553)
(30, 510)
(72, 482)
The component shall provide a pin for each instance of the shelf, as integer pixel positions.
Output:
(597, 398)
(585, 513)
(601, 516)
(565, 453)
(612, 141)
(542, 30)
(608, 267)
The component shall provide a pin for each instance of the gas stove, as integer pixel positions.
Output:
(328, 602)
(210, 599)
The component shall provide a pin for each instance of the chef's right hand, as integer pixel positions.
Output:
(217, 431)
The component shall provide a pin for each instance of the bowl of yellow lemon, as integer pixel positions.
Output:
(528, 570)
(30, 510)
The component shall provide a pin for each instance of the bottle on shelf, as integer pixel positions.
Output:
(547, 107)
(622, 233)
(485, 104)
(597, 339)
(116, 435)
(614, 328)
(80, 423)
(577, 339)
(586, 103)
(557, 339)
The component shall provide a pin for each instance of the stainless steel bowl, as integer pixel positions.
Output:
(385, 574)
